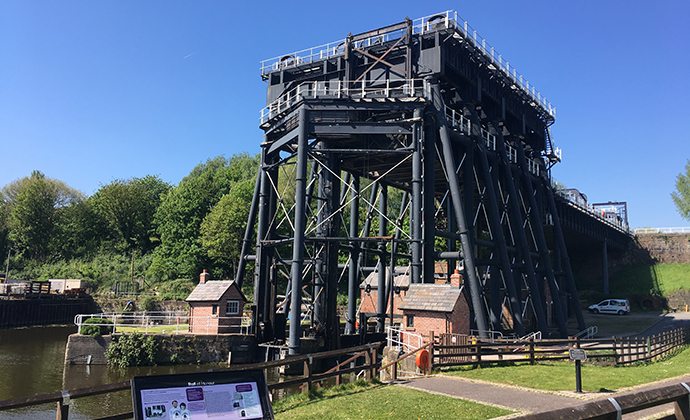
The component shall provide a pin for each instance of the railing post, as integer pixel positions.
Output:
(63, 407)
(531, 351)
(615, 350)
(307, 373)
(681, 407)
(479, 352)
(367, 362)
(432, 340)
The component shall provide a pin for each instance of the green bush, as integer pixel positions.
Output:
(87, 328)
(132, 350)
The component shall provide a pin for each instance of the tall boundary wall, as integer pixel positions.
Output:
(668, 248)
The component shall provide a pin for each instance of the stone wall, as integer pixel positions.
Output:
(177, 348)
(666, 248)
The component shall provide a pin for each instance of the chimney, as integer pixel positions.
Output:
(455, 278)
(204, 277)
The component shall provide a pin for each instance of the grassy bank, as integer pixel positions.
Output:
(561, 376)
(373, 400)
(655, 280)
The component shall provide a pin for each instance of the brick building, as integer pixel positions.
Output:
(440, 307)
(369, 293)
(215, 306)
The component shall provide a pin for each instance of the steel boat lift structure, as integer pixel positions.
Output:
(407, 145)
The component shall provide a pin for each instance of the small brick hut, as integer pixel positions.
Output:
(215, 306)
(440, 308)
(369, 295)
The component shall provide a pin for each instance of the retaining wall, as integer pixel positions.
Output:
(180, 348)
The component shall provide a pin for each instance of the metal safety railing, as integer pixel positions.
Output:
(595, 212)
(402, 340)
(662, 230)
(178, 322)
(404, 88)
(445, 20)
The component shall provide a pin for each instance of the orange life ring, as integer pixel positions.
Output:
(422, 359)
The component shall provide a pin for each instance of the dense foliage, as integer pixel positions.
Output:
(139, 228)
(132, 350)
(95, 328)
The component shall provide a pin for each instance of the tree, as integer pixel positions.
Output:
(31, 219)
(183, 209)
(128, 208)
(222, 230)
(681, 197)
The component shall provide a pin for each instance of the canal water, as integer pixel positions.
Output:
(32, 363)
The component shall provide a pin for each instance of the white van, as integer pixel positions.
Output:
(611, 306)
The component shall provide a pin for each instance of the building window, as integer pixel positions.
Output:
(233, 307)
(410, 321)
(214, 310)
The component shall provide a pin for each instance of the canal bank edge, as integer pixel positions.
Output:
(172, 349)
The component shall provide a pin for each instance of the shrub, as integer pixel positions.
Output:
(87, 328)
(132, 350)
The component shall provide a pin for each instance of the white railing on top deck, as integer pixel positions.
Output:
(662, 230)
(588, 208)
(448, 19)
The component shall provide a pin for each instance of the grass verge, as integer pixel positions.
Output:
(374, 400)
(560, 376)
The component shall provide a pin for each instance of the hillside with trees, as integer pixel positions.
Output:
(144, 229)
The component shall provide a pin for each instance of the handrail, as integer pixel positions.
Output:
(405, 356)
(624, 404)
(445, 20)
(662, 230)
(589, 209)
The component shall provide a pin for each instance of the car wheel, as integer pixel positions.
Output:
(621, 312)
(596, 311)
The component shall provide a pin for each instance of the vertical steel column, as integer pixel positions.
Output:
(298, 242)
(605, 266)
(249, 230)
(491, 184)
(264, 254)
(381, 266)
(429, 195)
(353, 271)
(538, 228)
(560, 243)
(416, 208)
(463, 226)
(320, 273)
(332, 229)
(519, 233)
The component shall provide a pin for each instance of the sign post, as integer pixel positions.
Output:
(578, 355)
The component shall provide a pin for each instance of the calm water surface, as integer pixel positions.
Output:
(32, 363)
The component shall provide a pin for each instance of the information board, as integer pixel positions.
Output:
(200, 396)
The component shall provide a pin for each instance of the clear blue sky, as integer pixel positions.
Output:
(92, 91)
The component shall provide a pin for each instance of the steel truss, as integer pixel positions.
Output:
(364, 167)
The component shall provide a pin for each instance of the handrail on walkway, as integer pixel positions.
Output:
(614, 407)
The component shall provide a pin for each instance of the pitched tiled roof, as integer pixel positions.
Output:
(401, 279)
(431, 297)
(210, 291)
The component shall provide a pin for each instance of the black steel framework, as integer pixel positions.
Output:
(405, 146)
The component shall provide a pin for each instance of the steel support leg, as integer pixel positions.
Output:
(300, 224)
(353, 271)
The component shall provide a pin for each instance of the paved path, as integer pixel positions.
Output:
(526, 400)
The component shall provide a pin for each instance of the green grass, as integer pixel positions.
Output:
(655, 280)
(156, 329)
(560, 376)
(366, 400)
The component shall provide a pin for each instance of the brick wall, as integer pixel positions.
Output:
(370, 302)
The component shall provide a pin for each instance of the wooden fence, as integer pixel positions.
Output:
(451, 350)
(306, 381)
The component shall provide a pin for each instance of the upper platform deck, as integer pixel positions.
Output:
(312, 58)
